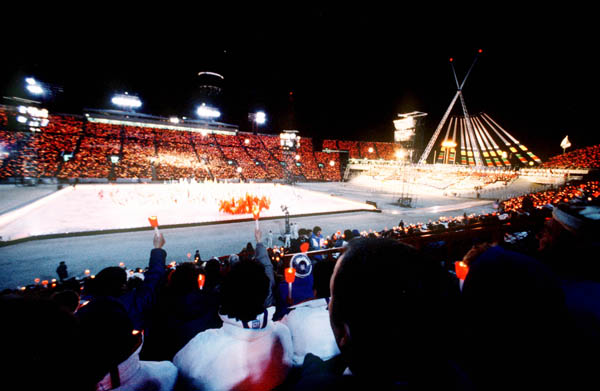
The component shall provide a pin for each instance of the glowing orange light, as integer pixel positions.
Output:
(304, 247)
(37, 280)
(461, 269)
(201, 280)
(121, 264)
(451, 59)
(45, 282)
(153, 221)
(480, 51)
(87, 272)
(290, 275)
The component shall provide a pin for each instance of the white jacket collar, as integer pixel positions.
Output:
(262, 321)
(127, 371)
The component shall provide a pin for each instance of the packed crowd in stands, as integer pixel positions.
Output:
(588, 157)
(71, 147)
(382, 309)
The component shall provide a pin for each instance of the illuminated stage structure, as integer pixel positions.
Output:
(481, 140)
(290, 144)
(405, 134)
(404, 137)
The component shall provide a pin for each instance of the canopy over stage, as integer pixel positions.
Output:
(480, 140)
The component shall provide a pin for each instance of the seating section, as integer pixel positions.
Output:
(588, 157)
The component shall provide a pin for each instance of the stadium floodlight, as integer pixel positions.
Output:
(205, 111)
(126, 101)
(332, 163)
(260, 117)
(174, 120)
(33, 86)
(370, 149)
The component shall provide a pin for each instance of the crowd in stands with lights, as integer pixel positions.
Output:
(70, 147)
(588, 157)
(531, 291)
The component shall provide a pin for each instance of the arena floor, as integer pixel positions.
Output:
(21, 263)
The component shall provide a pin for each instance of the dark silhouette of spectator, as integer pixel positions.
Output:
(387, 304)
(249, 351)
(68, 299)
(182, 311)
(515, 323)
(569, 243)
(41, 343)
(113, 347)
(62, 272)
(112, 282)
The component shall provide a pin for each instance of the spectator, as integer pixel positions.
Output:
(68, 299)
(569, 244)
(182, 311)
(308, 319)
(62, 272)
(514, 308)
(41, 344)
(111, 282)
(380, 283)
(113, 348)
(316, 242)
(249, 351)
(212, 271)
(262, 256)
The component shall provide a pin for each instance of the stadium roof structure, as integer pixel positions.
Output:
(481, 140)
(126, 118)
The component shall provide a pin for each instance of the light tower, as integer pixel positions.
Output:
(404, 135)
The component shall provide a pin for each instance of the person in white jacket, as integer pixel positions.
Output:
(308, 320)
(249, 351)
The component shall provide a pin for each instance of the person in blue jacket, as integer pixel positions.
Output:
(111, 282)
(316, 242)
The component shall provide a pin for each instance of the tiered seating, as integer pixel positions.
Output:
(588, 157)
(365, 147)
(138, 152)
(307, 158)
(385, 151)
(176, 156)
(330, 144)
(352, 147)
(269, 152)
(92, 160)
(209, 152)
(97, 129)
(590, 189)
(330, 173)
(9, 154)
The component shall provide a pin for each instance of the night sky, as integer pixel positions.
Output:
(329, 72)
